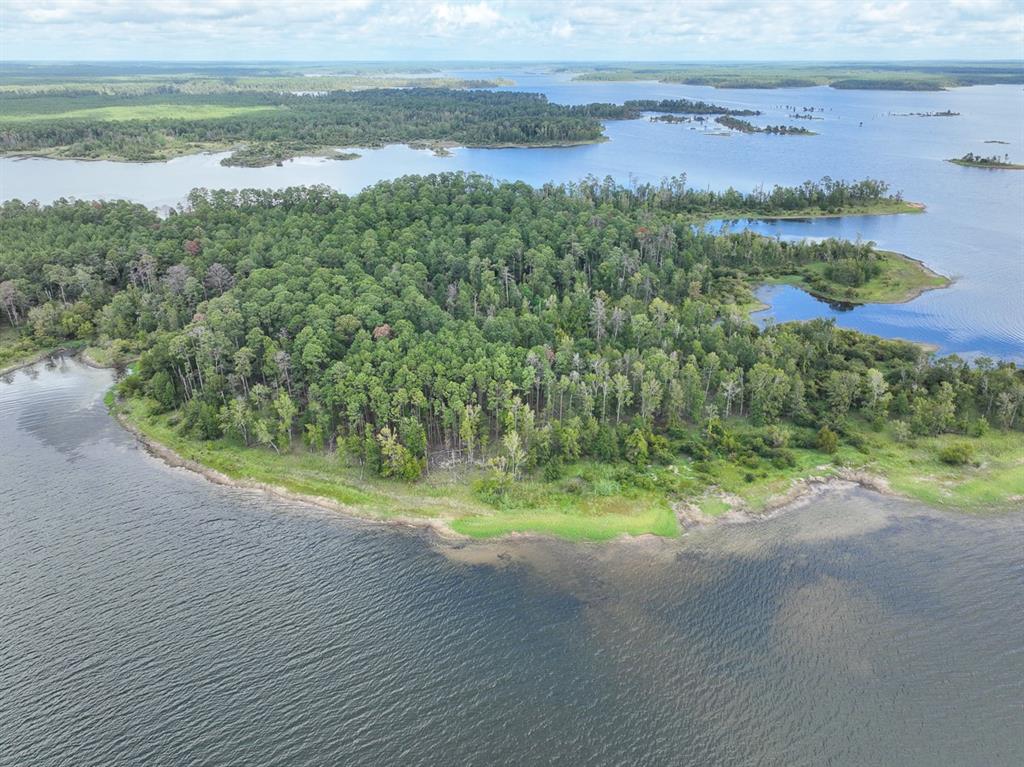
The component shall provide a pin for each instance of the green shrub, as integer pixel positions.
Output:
(553, 469)
(978, 427)
(636, 448)
(495, 490)
(576, 486)
(828, 440)
(957, 454)
(607, 487)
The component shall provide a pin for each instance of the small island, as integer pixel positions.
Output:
(945, 113)
(971, 160)
(743, 126)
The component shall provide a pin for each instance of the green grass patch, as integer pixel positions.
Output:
(993, 481)
(141, 112)
(656, 520)
(713, 506)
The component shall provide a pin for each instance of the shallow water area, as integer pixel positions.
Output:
(152, 617)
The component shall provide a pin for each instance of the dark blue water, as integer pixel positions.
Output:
(972, 231)
(149, 617)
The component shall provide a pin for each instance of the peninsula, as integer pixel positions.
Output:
(493, 358)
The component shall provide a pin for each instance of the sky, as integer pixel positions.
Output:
(510, 30)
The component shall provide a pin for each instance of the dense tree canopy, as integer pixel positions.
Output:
(452, 315)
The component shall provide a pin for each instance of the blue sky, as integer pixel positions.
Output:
(680, 30)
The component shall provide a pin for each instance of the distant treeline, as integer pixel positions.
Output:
(298, 123)
(896, 77)
(275, 126)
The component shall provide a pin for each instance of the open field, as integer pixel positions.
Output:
(142, 112)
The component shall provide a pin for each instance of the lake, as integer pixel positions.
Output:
(972, 231)
(150, 617)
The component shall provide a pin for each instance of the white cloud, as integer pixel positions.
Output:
(562, 29)
(515, 29)
(458, 15)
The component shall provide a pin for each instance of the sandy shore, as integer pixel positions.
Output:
(800, 493)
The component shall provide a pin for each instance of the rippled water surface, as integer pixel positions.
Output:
(972, 231)
(149, 617)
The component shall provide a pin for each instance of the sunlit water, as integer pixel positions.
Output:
(150, 617)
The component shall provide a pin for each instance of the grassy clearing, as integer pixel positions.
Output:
(994, 481)
(141, 112)
(901, 279)
(591, 502)
(658, 520)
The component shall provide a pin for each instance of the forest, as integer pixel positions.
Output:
(148, 127)
(274, 126)
(451, 320)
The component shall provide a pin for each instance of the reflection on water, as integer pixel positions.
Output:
(913, 321)
(151, 617)
(971, 230)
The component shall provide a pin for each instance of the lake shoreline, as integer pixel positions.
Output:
(172, 459)
(716, 505)
(440, 148)
(688, 515)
